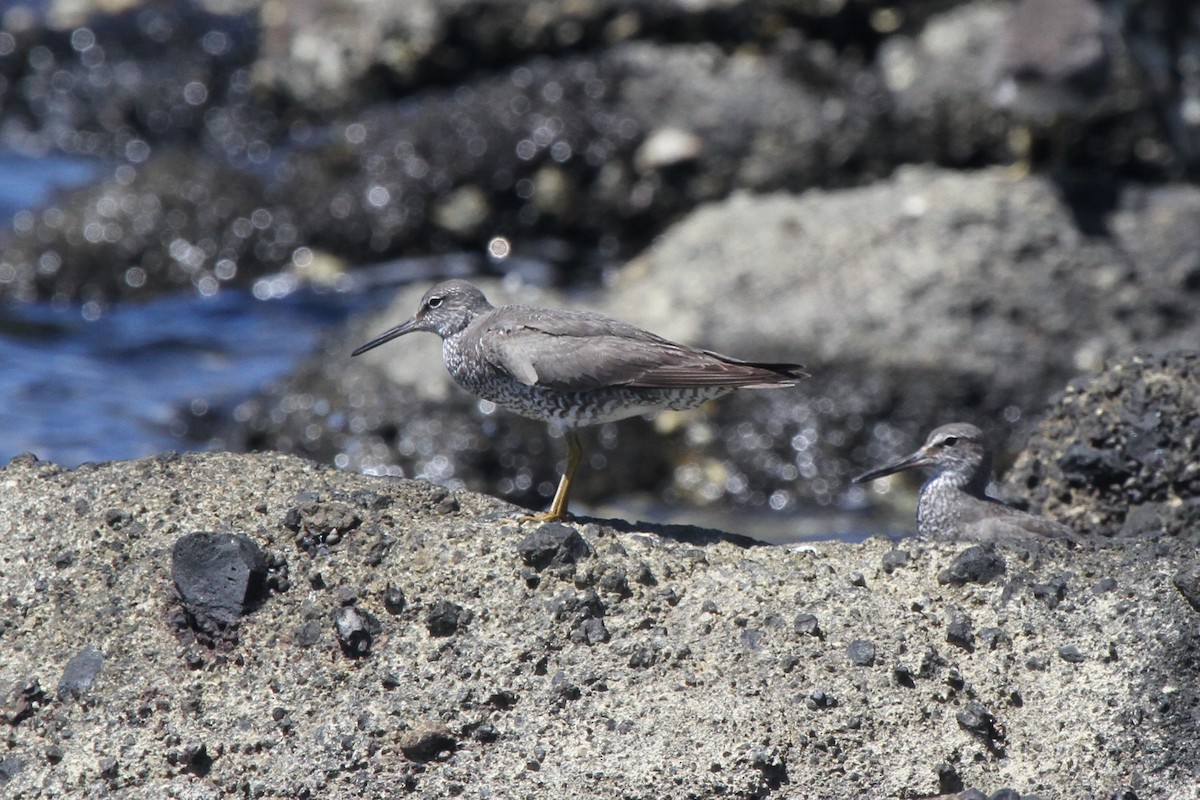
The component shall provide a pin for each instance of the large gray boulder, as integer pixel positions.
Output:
(407, 639)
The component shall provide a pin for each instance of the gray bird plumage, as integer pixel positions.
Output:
(572, 368)
(953, 503)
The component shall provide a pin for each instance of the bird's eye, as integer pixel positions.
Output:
(950, 441)
(433, 302)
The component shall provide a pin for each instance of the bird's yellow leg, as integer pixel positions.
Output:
(558, 508)
(1020, 143)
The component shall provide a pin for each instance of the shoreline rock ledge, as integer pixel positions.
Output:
(370, 638)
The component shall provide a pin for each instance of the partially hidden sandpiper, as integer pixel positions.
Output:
(572, 368)
(953, 503)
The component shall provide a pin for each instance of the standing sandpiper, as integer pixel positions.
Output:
(953, 503)
(572, 368)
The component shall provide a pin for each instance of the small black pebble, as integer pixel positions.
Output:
(977, 564)
(959, 632)
(806, 625)
(819, 698)
(1071, 654)
(393, 599)
(356, 630)
(444, 618)
(894, 559)
(949, 781)
(861, 653)
(1187, 581)
(553, 545)
(977, 720)
(307, 634)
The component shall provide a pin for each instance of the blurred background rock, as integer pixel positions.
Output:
(201, 200)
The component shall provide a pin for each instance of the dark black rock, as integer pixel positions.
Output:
(585, 605)
(894, 559)
(393, 599)
(307, 634)
(9, 767)
(218, 577)
(861, 653)
(444, 618)
(486, 733)
(977, 720)
(426, 743)
(1071, 654)
(564, 689)
(959, 630)
(1052, 592)
(806, 625)
(1187, 581)
(819, 699)
(590, 632)
(994, 637)
(80, 673)
(904, 676)
(1005, 794)
(1116, 452)
(553, 545)
(949, 781)
(192, 757)
(1037, 663)
(356, 630)
(615, 580)
(977, 564)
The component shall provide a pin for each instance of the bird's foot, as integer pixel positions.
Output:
(545, 516)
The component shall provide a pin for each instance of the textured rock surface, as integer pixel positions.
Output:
(657, 663)
(1118, 451)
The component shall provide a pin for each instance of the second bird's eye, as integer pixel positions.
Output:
(949, 441)
(434, 302)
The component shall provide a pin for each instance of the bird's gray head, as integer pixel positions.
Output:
(446, 309)
(956, 451)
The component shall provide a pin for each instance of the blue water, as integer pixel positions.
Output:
(73, 390)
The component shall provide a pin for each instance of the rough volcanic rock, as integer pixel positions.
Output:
(327, 57)
(941, 80)
(1117, 451)
(598, 152)
(120, 80)
(689, 679)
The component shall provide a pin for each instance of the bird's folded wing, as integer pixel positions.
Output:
(587, 356)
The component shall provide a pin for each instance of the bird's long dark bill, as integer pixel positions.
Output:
(917, 459)
(387, 336)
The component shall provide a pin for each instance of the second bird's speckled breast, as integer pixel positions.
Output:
(571, 409)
